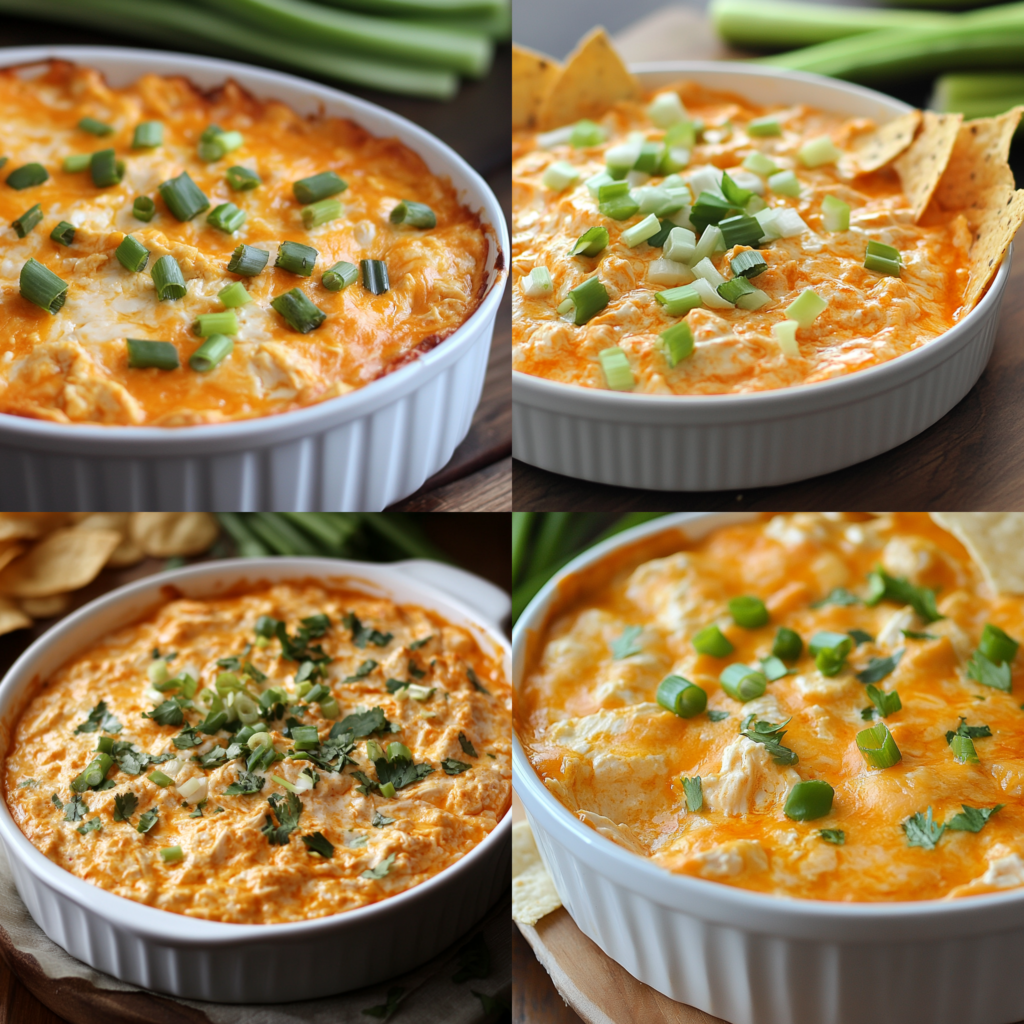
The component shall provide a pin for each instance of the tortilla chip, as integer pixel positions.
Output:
(533, 75)
(65, 560)
(593, 78)
(12, 617)
(9, 551)
(29, 525)
(995, 540)
(166, 534)
(533, 892)
(45, 607)
(127, 552)
(879, 147)
(921, 167)
(979, 183)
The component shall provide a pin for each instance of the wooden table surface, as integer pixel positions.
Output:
(478, 543)
(478, 478)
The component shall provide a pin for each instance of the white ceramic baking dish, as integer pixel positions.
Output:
(750, 958)
(232, 963)
(723, 442)
(359, 452)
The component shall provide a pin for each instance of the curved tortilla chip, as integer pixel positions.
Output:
(165, 534)
(878, 148)
(533, 74)
(995, 540)
(65, 560)
(12, 617)
(922, 165)
(593, 79)
(533, 892)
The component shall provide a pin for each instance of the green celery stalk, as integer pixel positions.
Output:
(248, 545)
(978, 94)
(425, 8)
(521, 523)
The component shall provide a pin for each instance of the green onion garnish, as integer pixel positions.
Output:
(416, 214)
(63, 233)
(27, 175)
(742, 682)
(818, 152)
(677, 342)
(735, 289)
(759, 164)
(784, 333)
(560, 175)
(143, 208)
(963, 750)
(809, 800)
(619, 208)
(739, 197)
(829, 651)
(615, 364)
(300, 314)
(713, 642)
(665, 229)
(666, 109)
(76, 162)
(227, 218)
(169, 281)
(248, 261)
(748, 612)
(806, 308)
(132, 254)
(213, 351)
(234, 295)
(761, 127)
(216, 143)
(590, 243)
(681, 697)
(647, 228)
(171, 854)
(305, 737)
(296, 258)
(42, 287)
(161, 355)
(207, 324)
(158, 778)
(183, 197)
(741, 230)
(340, 276)
(27, 221)
(613, 190)
(148, 135)
(710, 209)
(787, 645)
(241, 179)
(317, 187)
(835, 214)
(785, 183)
(322, 212)
(649, 158)
(94, 127)
(588, 300)
(93, 774)
(996, 645)
(106, 169)
(374, 276)
(878, 746)
(883, 259)
(679, 301)
(748, 264)
(586, 133)
(538, 282)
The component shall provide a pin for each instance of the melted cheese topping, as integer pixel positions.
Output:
(615, 758)
(870, 319)
(230, 871)
(73, 368)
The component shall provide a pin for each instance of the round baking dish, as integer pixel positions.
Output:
(359, 452)
(755, 959)
(233, 963)
(723, 442)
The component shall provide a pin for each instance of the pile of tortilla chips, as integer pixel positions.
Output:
(46, 556)
(947, 166)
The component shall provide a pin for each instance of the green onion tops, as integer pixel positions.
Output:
(248, 261)
(590, 243)
(148, 135)
(319, 186)
(168, 279)
(300, 314)
(183, 197)
(588, 299)
(207, 324)
(338, 277)
(241, 179)
(215, 143)
(76, 162)
(211, 353)
(234, 295)
(681, 697)
(132, 254)
(416, 215)
(321, 212)
(878, 746)
(677, 342)
(617, 372)
(95, 127)
(296, 258)
(27, 221)
(883, 259)
(160, 355)
(143, 208)
(809, 800)
(743, 683)
(63, 233)
(27, 176)
(374, 276)
(748, 612)
(42, 287)
(712, 641)
(106, 169)
(227, 218)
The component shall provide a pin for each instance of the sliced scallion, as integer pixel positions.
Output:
(963, 750)
(878, 746)
(677, 343)
(713, 642)
(148, 135)
(143, 208)
(95, 127)
(680, 245)
(213, 351)
(234, 295)
(216, 143)
(416, 214)
(590, 243)
(753, 300)
(340, 276)
(613, 190)
(588, 299)
(27, 221)
(835, 214)
(806, 308)
(665, 229)
(617, 372)
(27, 175)
(322, 212)
(248, 261)
(172, 854)
(761, 127)
(748, 264)
(785, 183)
(374, 276)
(808, 800)
(679, 301)
(586, 133)
(106, 169)
(161, 355)
(296, 258)
(241, 179)
(734, 289)
(560, 175)
(758, 163)
(538, 282)
(208, 324)
(317, 187)
(666, 109)
(296, 308)
(818, 152)
(883, 259)
(741, 230)
(743, 683)
(681, 697)
(63, 233)
(748, 612)
(647, 228)
(183, 197)
(168, 279)
(158, 778)
(226, 217)
(42, 287)
(132, 254)
(76, 162)
(785, 334)
(620, 208)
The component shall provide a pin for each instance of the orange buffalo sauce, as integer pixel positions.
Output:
(72, 367)
(607, 750)
(239, 860)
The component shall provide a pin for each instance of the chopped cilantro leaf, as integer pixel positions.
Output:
(626, 645)
(363, 635)
(28, 784)
(287, 810)
(187, 738)
(879, 668)
(401, 772)
(467, 747)
(887, 703)
(415, 671)
(883, 587)
(147, 821)
(453, 767)
(774, 668)
(100, 720)
(394, 685)
(57, 802)
(477, 685)
(973, 819)
(266, 626)
(380, 871)
(922, 831)
(380, 820)
(299, 648)
(417, 644)
(365, 668)
(474, 960)
(317, 843)
(974, 732)
(254, 673)
(860, 637)
(232, 664)
(913, 634)
(360, 724)
(833, 835)
(718, 716)
(367, 783)
(840, 596)
(317, 625)
(124, 806)
(198, 812)
(983, 671)
(92, 825)
(395, 995)
(693, 789)
(169, 712)
(75, 809)
(356, 840)
(771, 736)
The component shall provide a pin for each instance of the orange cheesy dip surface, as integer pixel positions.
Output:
(72, 365)
(287, 753)
(886, 765)
(776, 165)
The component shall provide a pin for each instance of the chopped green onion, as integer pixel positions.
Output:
(106, 169)
(806, 308)
(621, 159)
(735, 289)
(710, 243)
(649, 159)
(683, 134)
(829, 651)
(736, 195)
(27, 221)
(416, 214)
(666, 109)
(710, 208)
(76, 162)
(748, 264)
(374, 276)
(808, 800)
(669, 273)
(818, 152)
(565, 307)
(161, 355)
(248, 261)
(762, 127)
(665, 229)
(760, 164)
(148, 135)
(227, 218)
(241, 179)
(210, 354)
(171, 854)
(168, 279)
(300, 314)
(158, 778)
(681, 245)
(586, 133)
(619, 208)
(881, 266)
(590, 243)
(296, 258)
(143, 208)
(878, 746)
(322, 212)
(207, 324)
(588, 299)
(741, 230)
(996, 645)
(560, 175)
(601, 178)
(785, 334)
(234, 295)
(183, 197)
(216, 143)
(94, 127)
(613, 190)
(743, 683)
(681, 697)
(27, 175)
(317, 187)
(885, 251)
(787, 644)
(748, 612)
(63, 233)
(615, 364)
(835, 214)
(132, 254)
(340, 276)
(754, 299)
(305, 737)
(963, 750)
(713, 642)
(638, 233)
(679, 301)
(537, 282)
(677, 342)
(42, 287)
(93, 774)
(785, 183)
